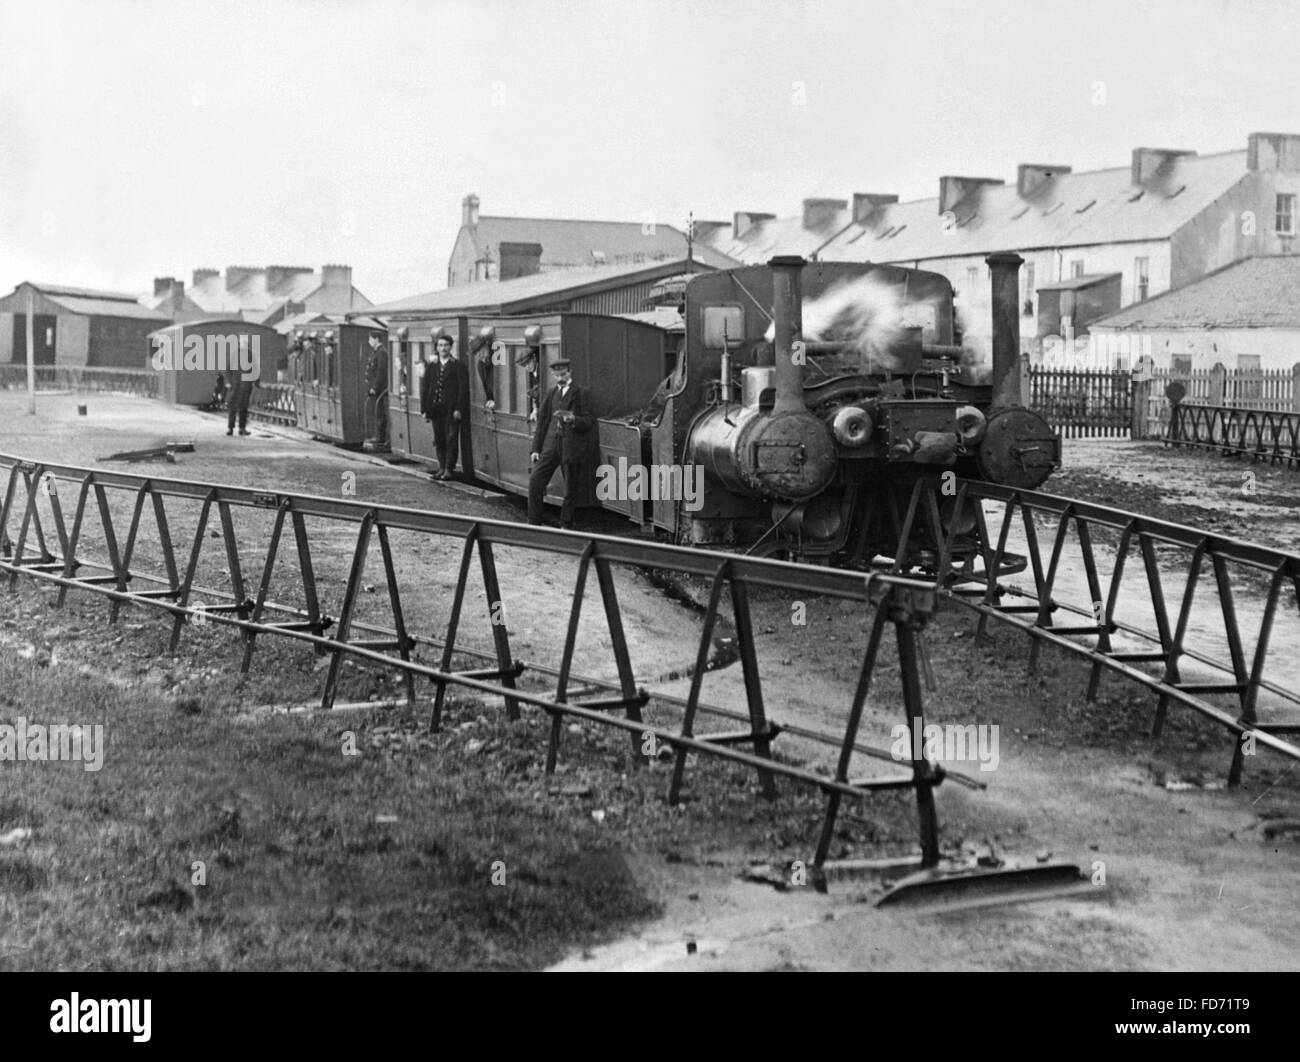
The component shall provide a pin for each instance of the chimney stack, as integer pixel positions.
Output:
(1004, 268)
(705, 229)
(956, 190)
(1152, 165)
(279, 277)
(819, 213)
(1032, 176)
(745, 220)
(519, 260)
(469, 211)
(787, 321)
(236, 275)
(865, 204)
(336, 276)
(1277, 152)
(201, 275)
(165, 285)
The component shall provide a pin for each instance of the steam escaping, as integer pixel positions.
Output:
(976, 354)
(866, 313)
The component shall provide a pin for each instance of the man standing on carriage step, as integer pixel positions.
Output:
(377, 395)
(444, 400)
(563, 438)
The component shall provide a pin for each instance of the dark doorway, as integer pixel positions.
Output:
(46, 339)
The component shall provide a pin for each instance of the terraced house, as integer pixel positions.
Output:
(1093, 242)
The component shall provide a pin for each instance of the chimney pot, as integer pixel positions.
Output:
(469, 211)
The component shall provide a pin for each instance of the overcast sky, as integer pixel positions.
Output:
(142, 139)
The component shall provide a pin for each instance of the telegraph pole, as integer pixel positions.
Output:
(31, 353)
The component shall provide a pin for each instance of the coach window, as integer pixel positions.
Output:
(331, 352)
(417, 365)
(398, 375)
(518, 366)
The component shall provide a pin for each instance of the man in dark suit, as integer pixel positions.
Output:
(377, 394)
(444, 400)
(562, 439)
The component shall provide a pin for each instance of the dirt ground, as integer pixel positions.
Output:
(1196, 876)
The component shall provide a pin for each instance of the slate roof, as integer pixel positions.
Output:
(1068, 210)
(570, 243)
(1259, 292)
(526, 293)
(97, 303)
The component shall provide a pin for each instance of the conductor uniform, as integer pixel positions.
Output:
(444, 400)
(561, 440)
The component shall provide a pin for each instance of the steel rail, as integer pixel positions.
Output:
(905, 604)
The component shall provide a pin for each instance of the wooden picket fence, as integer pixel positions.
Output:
(1083, 402)
(1118, 403)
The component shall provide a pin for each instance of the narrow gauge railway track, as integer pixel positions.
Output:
(32, 504)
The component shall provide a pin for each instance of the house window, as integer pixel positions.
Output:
(1286, 215)
(1027, 294)
(1076, 268)
(1142, 277)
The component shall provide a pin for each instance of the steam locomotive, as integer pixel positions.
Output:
(806, 398)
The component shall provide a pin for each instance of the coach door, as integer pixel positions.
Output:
(485, 360)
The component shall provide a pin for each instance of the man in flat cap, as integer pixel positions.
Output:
(562, 438)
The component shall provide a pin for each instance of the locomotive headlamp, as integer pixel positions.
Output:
(971, 426)
(852, 427)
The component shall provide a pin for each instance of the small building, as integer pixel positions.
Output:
(1244, 316)
(77, 327)
(504, 248)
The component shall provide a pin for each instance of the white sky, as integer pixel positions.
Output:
(142, 139)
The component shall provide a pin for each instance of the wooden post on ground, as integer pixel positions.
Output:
(31, 353)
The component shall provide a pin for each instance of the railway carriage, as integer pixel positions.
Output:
(327, 361)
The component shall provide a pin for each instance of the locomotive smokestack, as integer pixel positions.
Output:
(1005, 269)
(787, 320)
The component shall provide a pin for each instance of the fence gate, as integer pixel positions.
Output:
(1081, 402)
